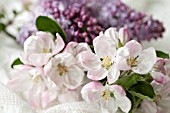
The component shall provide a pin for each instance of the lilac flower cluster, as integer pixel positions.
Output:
(76, 19)
(83, 20)
(140, 26)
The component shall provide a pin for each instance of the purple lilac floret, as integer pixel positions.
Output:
(82, 20)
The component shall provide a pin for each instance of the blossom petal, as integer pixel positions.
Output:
(90, 61)
(146, 61)
(112, 34)
(58, 45)
(134, 48)
(101, 45)
(91, 92)
(97, 74)
(74, 78)
(123, 35)
(113, 74)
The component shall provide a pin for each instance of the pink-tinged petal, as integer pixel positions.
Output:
(112, 34)
(35, 100)
(21, 82)
(148, 107)
(134, 48)
(167, 66)
(123, 35)
(104, 48)
(71, 48)
(159, 77)
(58, 44)
(121, 63)
(91, 92)
(39, 59)
(123, 51)
(74, 77)
(33, 44)
(47, 39)
(145, 61)
(97, 74)
(124, 104)
(120, 96)
(47, 97)
(89, 60)
(113, 74)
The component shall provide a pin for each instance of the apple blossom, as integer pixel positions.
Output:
(160, 72)
(41, 90)
(63, 71)
(40, 48)
(102, 64)
(161, 102)
(132, 57)
(109, 98)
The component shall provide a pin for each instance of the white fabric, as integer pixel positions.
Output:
(11, 103)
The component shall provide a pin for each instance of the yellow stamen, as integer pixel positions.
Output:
(105, 94)
(62, 69)
(131, 61)
(107, 62)
(45, 50)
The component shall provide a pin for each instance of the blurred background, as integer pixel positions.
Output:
(9, 49)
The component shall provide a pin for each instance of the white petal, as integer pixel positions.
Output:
(121, 63)
(58, 45)
(123, 35)
(91, 92)
(71, 48)
(103, 48)
(145, 61)
(112, 34)
(134, 48)
(148, 107)
(113, 74)
(97, 74)
(159, 77)
(89, 60)
(74, 77)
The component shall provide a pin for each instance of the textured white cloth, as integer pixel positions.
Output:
(11, 103)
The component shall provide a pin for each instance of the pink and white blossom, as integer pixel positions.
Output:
(108, 98)
(40, 89)
(161, 102)
(161, 71)
(40, 48)
(132, 57)
(62, 69)
(101, 64)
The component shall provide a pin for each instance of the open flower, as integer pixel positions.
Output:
(109, 98)
(161, 71)
(102, 64)
(39, 48)
(132, 57)
(63, 71)
(41, 90)
(161, 103)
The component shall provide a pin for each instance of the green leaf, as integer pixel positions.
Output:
(2, 15)
(142, 90)
(162, 54)
(44, 23)
(16, 62)
(2, 27)
(127, 81)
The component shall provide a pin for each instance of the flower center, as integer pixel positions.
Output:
(106, 62)
(131, 61)
(105, 94)
(62, 69)
(36, 78)
(45, 50)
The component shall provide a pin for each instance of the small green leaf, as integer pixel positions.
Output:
(16, 62)
(44, 23)
(2, 27)
(2, 15)
(162, 54)
(127, 81)
(142, 90)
